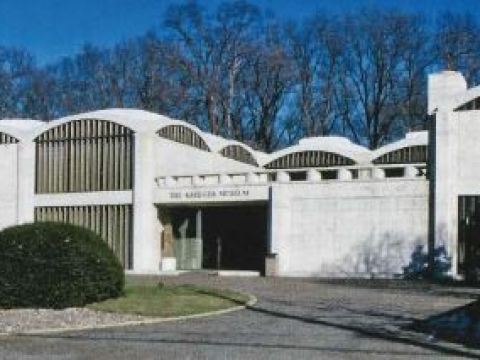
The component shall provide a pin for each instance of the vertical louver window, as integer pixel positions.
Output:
(238, 153)
(183, 135)
(406, 155)
(306, 159)
(7, 139)
(84, 155)
(112, 222)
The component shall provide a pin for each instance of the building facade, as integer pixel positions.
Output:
(166, 196)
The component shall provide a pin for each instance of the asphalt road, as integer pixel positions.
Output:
(293, 319)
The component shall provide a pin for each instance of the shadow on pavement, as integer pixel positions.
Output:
(460, 325)
(365, 331)
(451, 288)
(272, 346)
(379, 333)
(373, 333)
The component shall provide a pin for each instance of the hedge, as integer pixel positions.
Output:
(56, 265)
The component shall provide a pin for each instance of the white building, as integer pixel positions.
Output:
(167, 196)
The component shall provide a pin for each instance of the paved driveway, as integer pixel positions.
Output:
(293, 319)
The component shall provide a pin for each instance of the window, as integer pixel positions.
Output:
(112, 222)
(298, 175)
(84, 155)
(406, 155)
(183, 135)
(329, 175)
(239, 153)
(7, 139)
(470, 105)
(309, 159)
(394, 172)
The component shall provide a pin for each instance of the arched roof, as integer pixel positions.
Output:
(415, 138)
(330, 144)
(215, 143)
(136, 120)
(183, 135)
(148, 122)
(469, 95)
(19, 128)
(244, 155)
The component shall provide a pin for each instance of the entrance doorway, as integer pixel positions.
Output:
(469, 237)
(218, 237)
(234, 238)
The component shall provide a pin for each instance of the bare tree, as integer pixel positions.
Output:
(267, 82)
(23, 90)
(154, 79)
(239, 73)
(417, 58)
(36, 97)
(315, 47)
(458, 44)
(199, 60)
(371, 66)
(238, 24)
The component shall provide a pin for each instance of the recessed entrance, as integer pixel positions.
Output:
(469, 237)
(217, 237)
(234, 238)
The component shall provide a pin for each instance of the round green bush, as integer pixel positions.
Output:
(56, 265)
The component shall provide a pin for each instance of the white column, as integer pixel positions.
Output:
(146, 240)
(170, 181)
(197, 180)
(443, 88)
(313, 175)
(252, 178)
(26, 182)
(378, 173)
(280, 226)
(445, 180)
(411, 172)
(225, 179)
(344, 174)
(283, 177)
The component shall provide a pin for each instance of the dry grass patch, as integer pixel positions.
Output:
(170, 300)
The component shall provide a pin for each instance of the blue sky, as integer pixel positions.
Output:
(50, 29)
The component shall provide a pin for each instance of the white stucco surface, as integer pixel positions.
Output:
(457, 155)
(177, 159)
(414, 138)
(360, 222)
(348, 228)
(445, 90)
(457, 172)
(85, 199)
(8, 185)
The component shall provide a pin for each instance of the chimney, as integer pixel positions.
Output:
(443, 87)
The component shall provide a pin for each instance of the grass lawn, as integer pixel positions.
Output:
(170, 300)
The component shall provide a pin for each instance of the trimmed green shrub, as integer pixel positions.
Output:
(56, 265)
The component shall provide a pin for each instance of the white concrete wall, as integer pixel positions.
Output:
(85, 198)
(467, 156)
(443, 89)
(318, 228)
(8, 185)
(172, 158)
(146, 227)
(445, 177)
(26, 181)
(457, 172)
(337, 228)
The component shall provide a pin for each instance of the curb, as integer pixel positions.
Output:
(154, 320)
